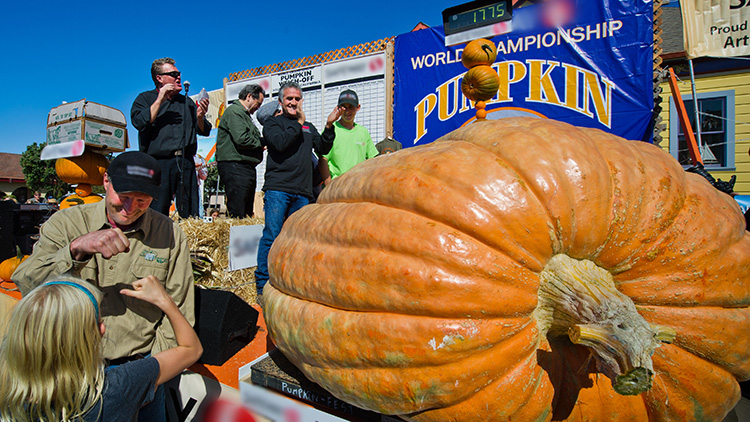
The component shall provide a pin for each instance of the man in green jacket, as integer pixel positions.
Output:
(239, 151)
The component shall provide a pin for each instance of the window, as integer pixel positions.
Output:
(716, 111)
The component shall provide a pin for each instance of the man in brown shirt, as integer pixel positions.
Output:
(113, 243)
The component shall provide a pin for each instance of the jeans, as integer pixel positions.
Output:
(277, 206)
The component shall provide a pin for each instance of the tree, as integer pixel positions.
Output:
(41, 175)
(209, 185)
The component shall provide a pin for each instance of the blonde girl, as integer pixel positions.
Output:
(51, 362)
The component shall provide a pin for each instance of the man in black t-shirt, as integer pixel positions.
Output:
(167, 124)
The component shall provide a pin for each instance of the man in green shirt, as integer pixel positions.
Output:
(111, 244)
(239, 151)
(353, 143)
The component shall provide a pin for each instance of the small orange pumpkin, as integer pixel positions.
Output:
(86, 168)
(74, 199)
(479, 52)
(83, 189)
(480, 83)
(9, 265)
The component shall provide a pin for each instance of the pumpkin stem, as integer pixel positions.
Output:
(487, 50)
(579, 300)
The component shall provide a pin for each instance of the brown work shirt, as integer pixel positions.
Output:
(158, 247)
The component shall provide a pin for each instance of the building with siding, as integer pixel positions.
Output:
(723, 92)
(11, 173)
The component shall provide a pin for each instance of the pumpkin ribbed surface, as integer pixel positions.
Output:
(480, 83)
(419, 283)
(479, 52)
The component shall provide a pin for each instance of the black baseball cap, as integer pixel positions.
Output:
(348, 97)
(135, 171)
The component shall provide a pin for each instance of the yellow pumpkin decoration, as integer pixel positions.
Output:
(479, 52)
(83, 189)
(86, 168)
(74, 199)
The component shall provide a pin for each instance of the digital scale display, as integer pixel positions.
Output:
(475, 14)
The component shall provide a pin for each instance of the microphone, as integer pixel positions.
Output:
(186, 84)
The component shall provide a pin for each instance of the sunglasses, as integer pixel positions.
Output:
(175, 74)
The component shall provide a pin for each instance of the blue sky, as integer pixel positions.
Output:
(55, 51)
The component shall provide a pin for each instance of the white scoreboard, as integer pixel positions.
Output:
(321, 85)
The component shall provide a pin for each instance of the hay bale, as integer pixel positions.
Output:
(209, 249)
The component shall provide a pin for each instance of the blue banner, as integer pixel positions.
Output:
(589, 65)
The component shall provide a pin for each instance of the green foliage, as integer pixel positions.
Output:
(41, 175)
(209, 185)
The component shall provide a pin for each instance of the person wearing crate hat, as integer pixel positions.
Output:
(353, 143)
(111, 244)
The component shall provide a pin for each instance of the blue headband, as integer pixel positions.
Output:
(83, 289)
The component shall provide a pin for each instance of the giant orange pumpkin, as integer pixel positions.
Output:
(518, 269)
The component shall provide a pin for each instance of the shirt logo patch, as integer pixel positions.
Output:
(151, 256)
(306, 129)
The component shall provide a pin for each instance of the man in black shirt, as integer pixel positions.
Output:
(167, 129)
(288, 185)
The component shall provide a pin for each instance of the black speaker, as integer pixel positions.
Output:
(7, 240)
(27, 219)
(224, 323)
(745, 389)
